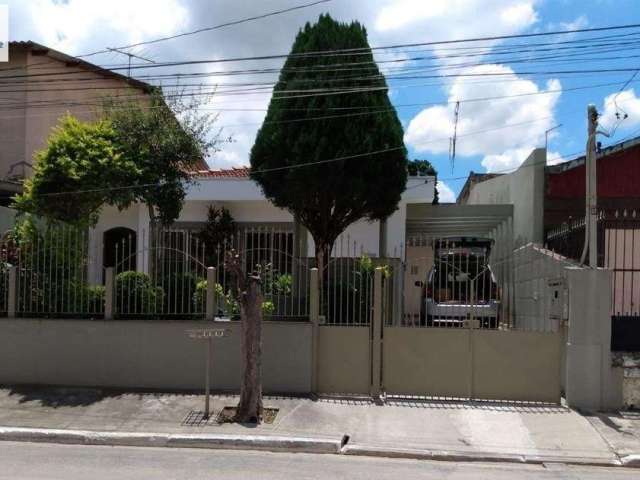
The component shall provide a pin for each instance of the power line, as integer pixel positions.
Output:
(369, 50)
(370, 110)
(208, 29)
(388, 74)
(487, 49)
(342, 158)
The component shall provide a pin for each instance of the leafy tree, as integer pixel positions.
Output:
(138, 152)
(80, 157)
(423, 168)
(296, 159)
(163, 149)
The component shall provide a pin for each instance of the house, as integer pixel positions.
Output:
(38, 85)
(252, 212)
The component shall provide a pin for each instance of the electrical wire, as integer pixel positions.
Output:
(208, 29)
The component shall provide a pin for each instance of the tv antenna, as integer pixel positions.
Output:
(130, 55)
(453, 140)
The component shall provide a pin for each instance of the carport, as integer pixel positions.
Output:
(426, 223)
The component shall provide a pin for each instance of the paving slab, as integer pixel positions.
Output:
(621, 431)
(535, 433)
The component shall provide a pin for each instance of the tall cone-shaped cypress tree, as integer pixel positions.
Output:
(331, 102)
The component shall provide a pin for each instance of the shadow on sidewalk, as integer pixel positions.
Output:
(55, 397)
(59, 397)
(446, 403)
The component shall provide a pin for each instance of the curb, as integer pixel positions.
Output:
(135, 439)
(273, 443)
(453, 456)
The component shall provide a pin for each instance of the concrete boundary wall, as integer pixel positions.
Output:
(147, 354)
(344, 359)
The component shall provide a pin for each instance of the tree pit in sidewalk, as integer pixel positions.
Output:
(228, 414)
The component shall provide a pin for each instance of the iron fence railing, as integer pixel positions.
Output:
(62, 271)
(347, 291)
(175, 263)
(4, 287)
(618, 250)
(52, 265)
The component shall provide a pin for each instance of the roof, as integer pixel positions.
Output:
(231, 173)
(39, 49)
(576, 162)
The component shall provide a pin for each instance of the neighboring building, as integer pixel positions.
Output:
(549, 209)
(524, 189)
(618, 175)
(473, 179)
(38, 86)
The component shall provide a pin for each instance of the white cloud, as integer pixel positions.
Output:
(519, 15)
(506, 161)
(506, 14)
(576, 24)
(68, 25)
(625, 103)
(554, 158)
(445, 194)
(80, 26)
(503, 131)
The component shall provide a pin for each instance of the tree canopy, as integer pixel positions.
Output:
(331, 148)
(83, 158)
(138, 152)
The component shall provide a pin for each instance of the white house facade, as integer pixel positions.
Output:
(243, 198)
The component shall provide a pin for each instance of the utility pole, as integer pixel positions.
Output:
(591, 191)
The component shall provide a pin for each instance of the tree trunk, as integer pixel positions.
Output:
(250, 404)
(323, 257)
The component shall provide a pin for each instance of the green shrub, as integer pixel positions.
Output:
(282, 284)
(268, 308)
(180, 288)
(92, 299)
(227, 303)
(135, 294)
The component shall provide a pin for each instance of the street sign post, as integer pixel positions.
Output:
(207, 334)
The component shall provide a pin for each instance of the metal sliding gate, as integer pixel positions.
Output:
(462, 343)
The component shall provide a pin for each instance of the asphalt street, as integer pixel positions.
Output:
(52, 461)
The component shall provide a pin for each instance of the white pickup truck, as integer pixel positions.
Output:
(460, 287)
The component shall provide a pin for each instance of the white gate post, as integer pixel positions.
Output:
(13, 292)
(590, 383)
(376, 344)
(211, 297)
(108, 293)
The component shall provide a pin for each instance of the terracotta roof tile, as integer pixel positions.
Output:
(235, 172)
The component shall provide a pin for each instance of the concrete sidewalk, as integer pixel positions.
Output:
(418, 429)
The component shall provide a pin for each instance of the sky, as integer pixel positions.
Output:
(492, 135)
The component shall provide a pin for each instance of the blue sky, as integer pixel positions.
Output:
(493, 135)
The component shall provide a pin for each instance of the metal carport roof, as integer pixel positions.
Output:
(447, 220)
